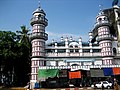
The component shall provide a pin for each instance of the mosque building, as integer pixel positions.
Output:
(101, 51)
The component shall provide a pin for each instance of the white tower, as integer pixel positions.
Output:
(38, 38)
(104, 38)
(116, 9)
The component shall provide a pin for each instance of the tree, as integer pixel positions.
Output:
(24, 61)
(8, 54)
(15, 61)
(24, 36)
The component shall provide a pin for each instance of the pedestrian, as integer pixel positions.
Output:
(102, 87)
(115, 85)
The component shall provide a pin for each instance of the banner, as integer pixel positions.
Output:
(75, 74)
(116, 71)
(108, 71)
(45, 73)
(97, 72)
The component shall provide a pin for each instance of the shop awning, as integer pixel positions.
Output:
(75, 74)
(103, 72)
(108, 71)
(63, 72)
(45, 73)
(96, 73)
(116, 71)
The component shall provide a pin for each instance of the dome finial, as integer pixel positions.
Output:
(101, 10)
(39, 4)
(115, 2)
(100, 6)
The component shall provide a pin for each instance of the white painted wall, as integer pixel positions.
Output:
(98, 62)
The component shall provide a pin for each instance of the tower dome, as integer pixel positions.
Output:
(39, 17)
(39, 10)
(102, 20)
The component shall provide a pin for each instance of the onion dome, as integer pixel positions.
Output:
(39, 10)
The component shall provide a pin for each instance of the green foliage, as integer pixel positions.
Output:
(15, 57)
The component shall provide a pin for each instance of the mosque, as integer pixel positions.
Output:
(102, 50)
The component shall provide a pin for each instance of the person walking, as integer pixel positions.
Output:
(102, 87)
(115, 85)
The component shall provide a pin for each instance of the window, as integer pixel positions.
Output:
(96, 50)
(114, 51)
(75, 65)
(71, 50)
(105, 18)
(71, 46)
(39, 16)
(86, 50)
(76, 50)
(76, 46)
(99, 19)
(61, 51)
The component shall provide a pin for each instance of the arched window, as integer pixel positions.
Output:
(39, 16)
(105, 18)
(71, 46)
(114, 51)
(99, 19)
(76, 46)
(75, 65)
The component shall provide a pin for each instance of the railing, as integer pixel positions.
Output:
(38, 35)
(104, 37)
(39, 20)
(78, 67)
(101, 22)
(58, 47)
(72, 54)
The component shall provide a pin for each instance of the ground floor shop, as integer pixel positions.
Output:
(64, 77)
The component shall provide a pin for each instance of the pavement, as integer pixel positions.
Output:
(21, 88)
(86, 88)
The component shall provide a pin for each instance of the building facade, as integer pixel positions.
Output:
(101, 50)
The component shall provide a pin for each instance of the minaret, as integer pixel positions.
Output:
(116, 9)
(38, 38)
(104, 38)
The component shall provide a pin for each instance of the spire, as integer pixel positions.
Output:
(115, 2)
(101, 10)
(100, 6)
(39, 6)
(39, 9)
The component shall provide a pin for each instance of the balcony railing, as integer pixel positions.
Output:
(104, 37)
(73, 54)
(101, 23)
(87, 67)
(37, 20)
(39, 35)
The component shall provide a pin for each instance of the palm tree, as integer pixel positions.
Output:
(24, 60)
(24, 36)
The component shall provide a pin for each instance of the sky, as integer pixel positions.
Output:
(66, 18)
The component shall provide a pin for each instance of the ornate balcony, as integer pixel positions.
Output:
(40, 35)
(39, 20)
(105, 37)
(85, 67)
(102, 23)
(65, 55)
